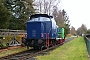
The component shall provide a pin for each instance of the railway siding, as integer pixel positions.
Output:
(29, 54)
(73, 50)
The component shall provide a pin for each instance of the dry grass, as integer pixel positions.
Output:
(12, 51)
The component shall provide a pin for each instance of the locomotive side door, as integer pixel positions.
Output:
(43, 30)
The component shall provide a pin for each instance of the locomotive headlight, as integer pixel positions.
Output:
(40, 41)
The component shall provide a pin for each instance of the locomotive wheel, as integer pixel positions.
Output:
(36, 47)
(22, 44)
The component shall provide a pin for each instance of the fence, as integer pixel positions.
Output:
(7, 36)
(87, 41)
(7, 32)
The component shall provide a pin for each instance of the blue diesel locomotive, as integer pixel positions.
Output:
(42, 31)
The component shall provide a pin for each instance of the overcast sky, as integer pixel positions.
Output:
(78, 12)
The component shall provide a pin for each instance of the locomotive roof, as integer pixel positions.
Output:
(40, 15)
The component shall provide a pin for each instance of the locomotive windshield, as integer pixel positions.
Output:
(40, 19)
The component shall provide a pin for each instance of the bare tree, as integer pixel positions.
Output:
(82, 30)
(46, 6)
(38, 5)
(58, 17)
(73, 32)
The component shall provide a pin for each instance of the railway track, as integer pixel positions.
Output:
(30, 54)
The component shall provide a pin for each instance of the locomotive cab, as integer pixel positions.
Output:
(41, 31)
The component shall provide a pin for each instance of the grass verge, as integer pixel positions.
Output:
(13, 51)
(73, 50)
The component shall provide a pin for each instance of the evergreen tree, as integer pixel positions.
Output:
(21, 10)
(66, 22)
(4, 16)
(29, 4)
(88, 31)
